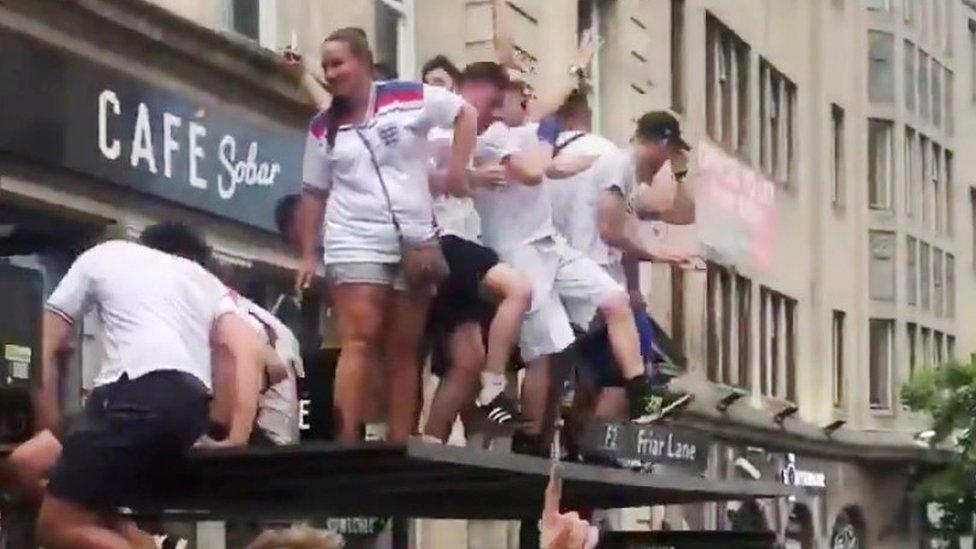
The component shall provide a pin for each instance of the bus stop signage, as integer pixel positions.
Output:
(647, 444)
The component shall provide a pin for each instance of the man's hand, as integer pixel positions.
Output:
(305, 274)
(488, 176)
(563, 530)
(291, 61)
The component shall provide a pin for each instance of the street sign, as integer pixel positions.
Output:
(657, 443)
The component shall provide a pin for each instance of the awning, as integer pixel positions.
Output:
(419, 480)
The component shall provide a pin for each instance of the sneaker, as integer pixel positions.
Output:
(649, 404)
(501, 410)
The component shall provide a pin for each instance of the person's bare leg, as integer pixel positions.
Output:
(536, 395)
(65, 525)
(458, 388)
(622, 333)
(407, 318)
(515, 294)
(30, 462)
(361, 309)
(612, 404)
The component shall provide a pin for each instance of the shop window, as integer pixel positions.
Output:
(678, 55)
(911, 271)
(909, 67)
(837, 187)
(728, 327)
(882, 265)
(777, 353)
(912, 332)
(881, 359)
(837, 355)
(925, 275)
(881, 67)
(879, 164)
(726, 87)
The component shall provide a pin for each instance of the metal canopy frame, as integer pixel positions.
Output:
(416, 480)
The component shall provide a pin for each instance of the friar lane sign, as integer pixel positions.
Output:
(656, 443)
(63, 109)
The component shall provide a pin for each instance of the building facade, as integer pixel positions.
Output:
(835, 206)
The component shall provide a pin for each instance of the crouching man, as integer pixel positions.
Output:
(163, 315)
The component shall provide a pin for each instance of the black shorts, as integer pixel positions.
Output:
(131, 440)
(459, 298)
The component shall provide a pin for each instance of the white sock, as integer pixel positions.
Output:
(492, 385)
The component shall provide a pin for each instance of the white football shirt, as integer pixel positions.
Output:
(393, 142)
(455, 215)
(156, 310)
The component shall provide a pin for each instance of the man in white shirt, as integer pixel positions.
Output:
(516, 217)
(162, 314)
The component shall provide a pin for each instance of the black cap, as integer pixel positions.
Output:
(661, 125)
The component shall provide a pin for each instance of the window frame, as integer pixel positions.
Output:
(881, 388)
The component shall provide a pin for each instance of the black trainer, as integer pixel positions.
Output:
(501, 410)
(652, 403)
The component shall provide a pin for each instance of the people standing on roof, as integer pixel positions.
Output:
(366, 157)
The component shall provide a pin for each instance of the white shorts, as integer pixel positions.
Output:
(558, 274)
(582, 312)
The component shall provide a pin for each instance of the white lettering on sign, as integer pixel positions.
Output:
(248, 170)
(304, 407)
(793, 476)
(196, 153)
(142, 148)
(113, 149)
(170, 144)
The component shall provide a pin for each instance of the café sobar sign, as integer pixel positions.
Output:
(64, 109)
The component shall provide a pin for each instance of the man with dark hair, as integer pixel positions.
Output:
(440, 71)
(162, 315)
(285, 214)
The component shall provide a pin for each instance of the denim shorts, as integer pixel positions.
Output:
(366, 272)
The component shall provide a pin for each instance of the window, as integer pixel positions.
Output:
(677, 55)
(729, 327)
(935, 178)
(590, 18)
(908, 11)
(925, 274)
(951, 348)
(908, 178)
(937, 97)
(882, 355)
(837, 143)
(950, 123)
(947, 27)
(881, 67)
(255, 19)
(912, 348)
(393, 45)
(937, 347)
(776, 111)
(922, 192)
(937, 282)
(926, 351)
(937, 34)
(882, 265)
(972, 222)
(911, 270)
(727, 87)
(777, 353)
(878, 5)
(950, 205)
(837, 356)
(910, 76)
(924, 99)
(950, 286)
(972, 60)
(879, 164)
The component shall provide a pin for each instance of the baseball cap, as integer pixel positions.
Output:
(661, 125)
